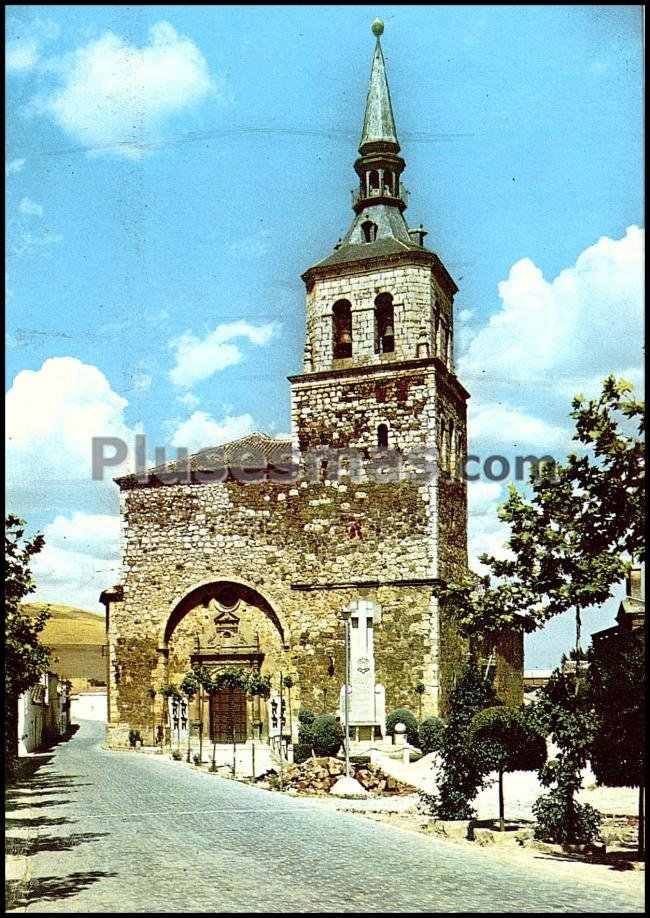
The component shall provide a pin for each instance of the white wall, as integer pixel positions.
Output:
(88, 706)
(31, 719)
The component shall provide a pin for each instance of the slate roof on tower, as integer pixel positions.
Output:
(379, 229)
(378, 121)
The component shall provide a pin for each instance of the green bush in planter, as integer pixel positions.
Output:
(430, 735)
(403, 716)
(305, 716)
(326, 734)
(301, 752)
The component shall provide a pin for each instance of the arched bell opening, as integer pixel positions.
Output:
(384, 324)
(342, 329)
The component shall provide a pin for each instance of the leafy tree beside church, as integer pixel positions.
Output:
(570, 543)
(616, 682)
(573, 540)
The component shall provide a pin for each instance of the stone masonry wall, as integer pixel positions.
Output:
(346, 411)
(414, 292)
(271, 536)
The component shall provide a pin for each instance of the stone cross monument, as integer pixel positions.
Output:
(366, 700)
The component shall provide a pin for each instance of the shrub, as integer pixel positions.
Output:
(616, 670)
(565, 821)
(134, 736)
(301, 752)
(403, 716)
(196, 758)
(305, 716)
(176, 755)
(327, 734)
(430, 735)
(305, 733)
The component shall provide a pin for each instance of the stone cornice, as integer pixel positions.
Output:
(385, 369)
(363, 265)
(370, 584)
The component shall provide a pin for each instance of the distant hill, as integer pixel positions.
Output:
(68, 625)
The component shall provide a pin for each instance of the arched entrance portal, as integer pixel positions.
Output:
(220, 625)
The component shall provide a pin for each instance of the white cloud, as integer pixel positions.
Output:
(588, 318)
(21, 56)
(24, 53)
(30, 208)
(548, 341)
(199, 358)
(27, 243)
(487, 533)
(201, 430)
(72, 577)
(14, 166)
(189, 399)
(483, 496)
(52, 415)
(96, 534)
(493, 423)
(116, 97)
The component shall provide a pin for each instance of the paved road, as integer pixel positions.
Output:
(118, 832)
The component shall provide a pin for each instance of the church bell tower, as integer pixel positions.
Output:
(378, 366)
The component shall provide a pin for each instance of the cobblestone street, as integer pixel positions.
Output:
(120, 832)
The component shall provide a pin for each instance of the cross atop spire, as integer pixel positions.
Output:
(378, 122)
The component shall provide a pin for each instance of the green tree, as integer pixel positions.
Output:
(508, 743)
(571, 542)
(615, 681)
(430, 733)
(463, 767)
(564, 709)
(25, 658)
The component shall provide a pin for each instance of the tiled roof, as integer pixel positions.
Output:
(256, 450)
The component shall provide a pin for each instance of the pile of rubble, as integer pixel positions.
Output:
(317, 775)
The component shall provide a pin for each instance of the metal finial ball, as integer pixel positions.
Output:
(377, 27)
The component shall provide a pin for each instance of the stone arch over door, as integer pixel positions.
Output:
(203, 593)
(219, 624)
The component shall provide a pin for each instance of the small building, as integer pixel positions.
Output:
(43, 713)
(631, 612)
(90, 704)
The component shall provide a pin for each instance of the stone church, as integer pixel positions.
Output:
(247, 554)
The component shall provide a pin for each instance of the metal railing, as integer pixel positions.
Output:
(360, 195)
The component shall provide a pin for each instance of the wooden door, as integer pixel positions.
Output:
(228, 716)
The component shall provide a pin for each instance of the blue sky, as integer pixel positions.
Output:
(172, 170)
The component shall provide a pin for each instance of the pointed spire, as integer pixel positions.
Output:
(378, 123)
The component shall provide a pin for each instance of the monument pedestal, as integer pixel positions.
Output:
(348, 788)
(366, 700)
